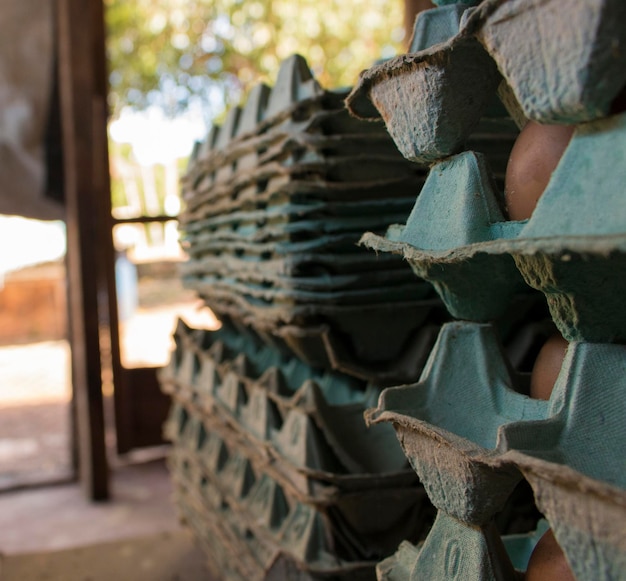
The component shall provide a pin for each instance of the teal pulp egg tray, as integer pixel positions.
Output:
(273, 465)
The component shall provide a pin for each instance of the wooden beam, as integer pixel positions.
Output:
(83, 118)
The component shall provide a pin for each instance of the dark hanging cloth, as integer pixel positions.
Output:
(30, 144)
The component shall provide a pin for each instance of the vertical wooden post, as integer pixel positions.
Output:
(80, 34)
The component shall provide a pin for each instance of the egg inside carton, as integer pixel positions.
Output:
(567, 242)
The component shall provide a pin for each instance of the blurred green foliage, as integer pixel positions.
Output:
(176, 54)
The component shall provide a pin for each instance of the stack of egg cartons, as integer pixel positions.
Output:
(276, 200)
(470, 426)
(274, 468)
(273, 465)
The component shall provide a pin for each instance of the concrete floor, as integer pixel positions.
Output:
(54, 533)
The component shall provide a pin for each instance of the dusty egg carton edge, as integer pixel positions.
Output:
(229, 383)
(413, 92)
(552, 241)
(258, 550)
(585, 72)
(513, 53)
(295, 89)
(289, 211)
(190, 379)
(278, 274)
(282, 187)
(239, 479)
(315, 264)
(318, 336)
(341, 518)
(264, 181)
(557, 486)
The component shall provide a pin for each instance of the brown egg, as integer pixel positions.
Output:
(547, 562)
(534, 157)
(547, 367)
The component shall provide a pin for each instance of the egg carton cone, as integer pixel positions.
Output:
(404, 564)
(430, 100)
(455, 454)
(458, 209)
(564, 61)
(458, 457)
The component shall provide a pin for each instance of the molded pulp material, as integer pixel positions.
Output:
(405, 564)
(416, 93)
(454, 454)
(561, 69)
(275, 397)
(561, 250)
(564, 447)
(570, 460)
(273, 464)
(457, 208)
(276, 200)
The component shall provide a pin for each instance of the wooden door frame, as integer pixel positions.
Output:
(83, 111)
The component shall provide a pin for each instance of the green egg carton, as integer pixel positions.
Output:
(415, 93)
(263, 228)
(243, 272)
(201, 244)
(341, 216)
(403, 564)
(366, 340)
(465, 3)
(237, 551)
(295, 128)
(564, 447)
(572, 244)
(458, 457)
(272, 186)
(275, 400)
(270, 180)
(573, 459)
(306, 269)
(457, 210)
(224, 478)
(560, 59)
